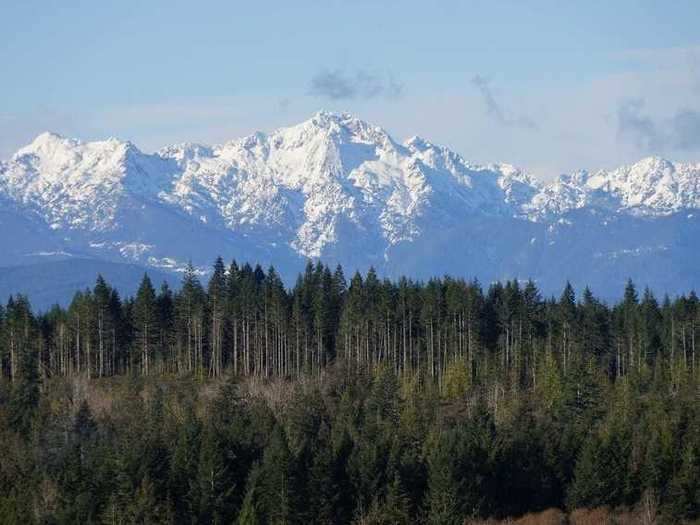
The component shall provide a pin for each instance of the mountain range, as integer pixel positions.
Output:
(341, 190)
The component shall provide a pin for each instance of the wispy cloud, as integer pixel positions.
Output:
(636, 127)
(336, 84)
(284, 103)
(685, 130)
(680, 131)
(495, 110)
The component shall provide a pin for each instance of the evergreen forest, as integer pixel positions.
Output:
(348, 400)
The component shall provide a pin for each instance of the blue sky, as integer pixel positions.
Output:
(551, 86)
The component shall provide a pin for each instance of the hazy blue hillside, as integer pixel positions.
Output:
(57, 281)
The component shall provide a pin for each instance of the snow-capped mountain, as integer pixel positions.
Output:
(337, 188)
(303, 183)
(74, 185)
(651, 187)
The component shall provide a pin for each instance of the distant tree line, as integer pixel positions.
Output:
(246, 320)
(368, 401)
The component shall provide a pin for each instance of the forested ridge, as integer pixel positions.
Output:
(346, 401)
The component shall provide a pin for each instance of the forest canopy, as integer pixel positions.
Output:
(362, 401)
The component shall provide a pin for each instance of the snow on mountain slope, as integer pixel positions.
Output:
(75, 185)
(650, 187)
(566, 193)
(338, 188)
(298, 184)
(305, 180)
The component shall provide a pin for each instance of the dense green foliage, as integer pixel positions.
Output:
(367, 402)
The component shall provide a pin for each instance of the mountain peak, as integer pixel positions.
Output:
(418, 143)
(332, 186)
(48, 145)
(330, 170)
(48, 137)
(323, 115)
(653, 161)
(45, 142)
(345, 124)
(79, 185)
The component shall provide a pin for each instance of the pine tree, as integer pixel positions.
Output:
(383, 404)
(104, 324)
(322, 501)
(651, 330)
(567, 320)
(393, 510)
(442, 504)
(146, 508)
(276, 484)
(118, 334)
(146, 323)
(216, 295)
(18, 330)
(215, 488)
(630, 336)
(184, 467)
(189, 323)
(601, 470)
(165, 304)
(250, 513)
(684, 491)
(24, 396)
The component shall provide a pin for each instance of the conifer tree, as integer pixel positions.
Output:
(165, 317)
(24, 398)
(104, 324)
(276, 483)
(189, 310)
(146, 323)
(215, 489)
(684, 497)
(216, 295)
(442, 504)
(184, 467)
(250, 513)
